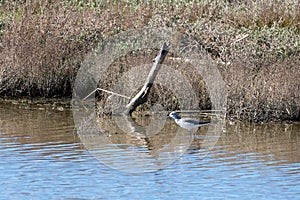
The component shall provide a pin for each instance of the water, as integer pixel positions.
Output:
(42, 156)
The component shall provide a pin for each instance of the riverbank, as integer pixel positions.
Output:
(255, 45)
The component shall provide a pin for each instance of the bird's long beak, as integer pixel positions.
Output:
(168, 117)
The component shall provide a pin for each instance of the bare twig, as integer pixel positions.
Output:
(107, 91)
(243, 37)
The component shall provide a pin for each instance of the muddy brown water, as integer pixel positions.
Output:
(42, 156)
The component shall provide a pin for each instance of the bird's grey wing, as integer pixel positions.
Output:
(203, 123)
(191, 121)
(194, 121)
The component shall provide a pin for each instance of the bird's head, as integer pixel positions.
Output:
(174, 115)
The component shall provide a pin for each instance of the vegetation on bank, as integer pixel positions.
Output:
(255, 43)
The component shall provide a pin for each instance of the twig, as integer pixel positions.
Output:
(120, 95)
(245, 36)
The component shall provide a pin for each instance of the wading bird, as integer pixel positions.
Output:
(186, 123)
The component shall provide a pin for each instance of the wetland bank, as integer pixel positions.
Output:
(254, 44)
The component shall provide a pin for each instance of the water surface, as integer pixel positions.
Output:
(43, 157)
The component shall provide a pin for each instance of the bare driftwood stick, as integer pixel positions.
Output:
(110, 92)
(141, 97)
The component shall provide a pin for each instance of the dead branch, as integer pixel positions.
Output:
(142, 95)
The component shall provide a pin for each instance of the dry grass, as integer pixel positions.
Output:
(255, 44)
(270, 93)
(42, 48)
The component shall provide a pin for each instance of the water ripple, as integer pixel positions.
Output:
(42, 158)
